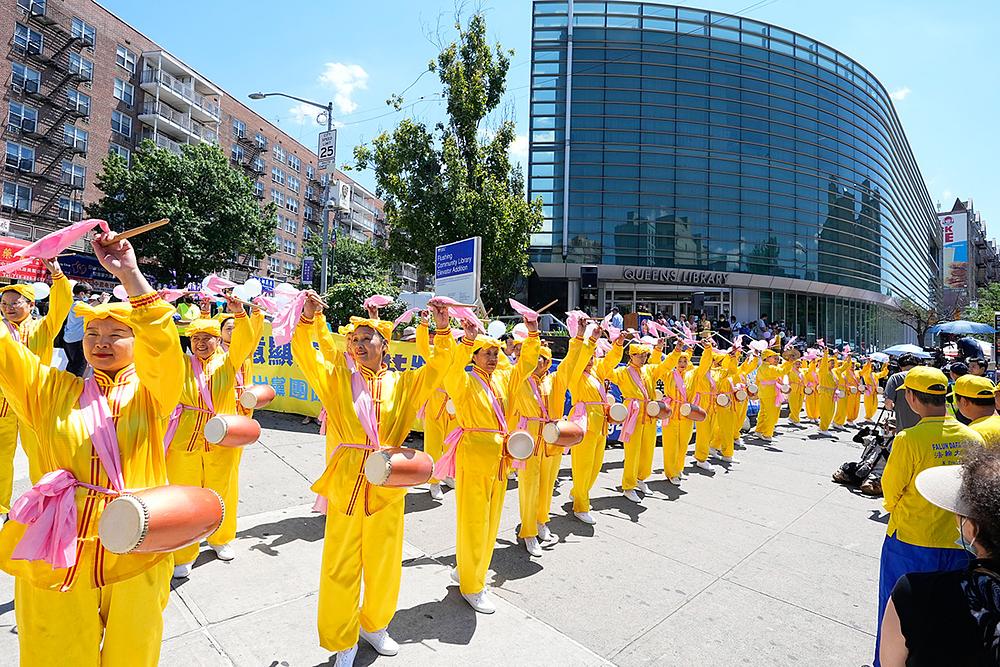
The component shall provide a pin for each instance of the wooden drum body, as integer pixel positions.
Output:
(562, 433)
(752, 389)
(399, 467)
(520, 445)
(617, 413)
(232, 430)
(693, 412)
(160, 519)
(658, 409)
(257, 396)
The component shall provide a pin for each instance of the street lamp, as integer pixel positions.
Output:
(328, 112)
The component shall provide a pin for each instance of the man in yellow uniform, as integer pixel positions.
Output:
(975, 398)
(36, 334)
(209, 390)
(921, 536)
(76, 603)
(769, 376)
(368, 407)
(678, 388)
(725, 408)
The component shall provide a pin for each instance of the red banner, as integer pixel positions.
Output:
(33, 272)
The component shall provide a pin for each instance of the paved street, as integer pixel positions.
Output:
(766, 563)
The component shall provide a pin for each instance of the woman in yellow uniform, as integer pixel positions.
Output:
(244, 377)
(533, 404)
(768, 378)
(368, 407)
(476, 451)
(797, 383)
(742, 379)
(637, 383)
(811, 376)
(855, 392)
(843, 393)
(209, 390)
(437, 418)
(828, 381)
(726, 411)
(704, 385)
(871, 380)
(75, 603)
(36, 334)
(678, 388)
(589, 395)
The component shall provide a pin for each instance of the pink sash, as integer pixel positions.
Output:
(206, 395)
(778, 396)
(15, 331)
(445, 466)
(635, 406)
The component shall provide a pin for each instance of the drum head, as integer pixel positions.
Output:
(215, 430)
(653, 409)
(618, 412)
(123, 525)
(520, 445)
(741, 395)
(550, 432)
(752, 388)
(808, 391)
(377, 468)
(449, 407)
(785, 388)
(248, 400)
(685, 409)
(722, 400)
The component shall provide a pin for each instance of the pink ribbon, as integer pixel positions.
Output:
(679, 385)
(287, 318)
(364, 407)
(528, 314)
(405, 317)
(445, 466)
(778, 396)
(322, 419)
(377, 301)
(10, 267)
(199, 378)
(460, 312)
(214, 284)
(628, 427)
(51, 245)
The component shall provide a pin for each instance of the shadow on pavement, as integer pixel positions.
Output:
(511, 562)
(665, 488)
(620, 503)
(309, 528)
(281, 421)
(567, 524)
(449, 620)
(422, 501)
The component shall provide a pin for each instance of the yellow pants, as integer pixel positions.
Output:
(586, 460)
(703, 433)
(725, 417)
(840, 412)
(358, 549)
(479, 506)
(853, 406)
(119, 625)
(767, 418)
(535, 484)
(435, 430)
(217, 469)
(676, 438)
(639, 452)
(741, 416)
(871, 405)
(812, 404)
(827, 408)
(10, 428)
(795, 399)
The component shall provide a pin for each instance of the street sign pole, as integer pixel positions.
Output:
(327, 163)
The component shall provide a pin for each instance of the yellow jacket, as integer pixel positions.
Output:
(648, 374)
(989, 428)
(438, 400)
(246, 370)
(551, 390)
(828, 379)
(932, 442)
(397, 397)
(141, 397)
(770, 373)
(587, 387)
(220, 370)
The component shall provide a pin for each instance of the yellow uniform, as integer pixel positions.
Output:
(855, 391)
(481, 463)
(812, 381)
(748, 366)
(871, 380)
(989, 428)
(191, 461)
(827, 391)
(63, 613)
(363, 539)
(638, 386)
(679, 389)
(588, 392)
(843, 401)
(244, 377)
(725, 415)
(534, 403)
(768, 378)
(437, 419)
(37, 335)
(796, 381)
(704, 387)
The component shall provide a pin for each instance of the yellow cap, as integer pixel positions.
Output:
(383, 328)
(640, 348)
(768, 353)
(482, 341)
(545, 352)
(927, 380)
(974, 386)
(27, 291)
(204, 326)
(117, 311)
(222, 317)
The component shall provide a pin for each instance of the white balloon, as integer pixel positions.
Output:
(520, 331)
(496, 328)
(120, 292)
(254, 287)
(41, 291)
(242, 292)
(285, 288)
(204, 282)
(194, 313)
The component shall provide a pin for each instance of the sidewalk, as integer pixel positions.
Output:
(765, 562)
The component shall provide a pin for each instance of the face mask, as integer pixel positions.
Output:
(968, 546)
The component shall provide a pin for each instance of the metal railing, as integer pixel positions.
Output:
(185, 90)
(163, 142)
(165, 111)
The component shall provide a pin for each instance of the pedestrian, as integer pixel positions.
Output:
(920, 537)
(966, 601)
(73, 332)
(616, 319)
(979, 366)
(955, 370)
(77, 603)
(894, 394)
(975, 398)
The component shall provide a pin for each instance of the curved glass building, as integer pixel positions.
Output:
(706, 161)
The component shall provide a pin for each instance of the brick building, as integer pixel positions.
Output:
(81, 83)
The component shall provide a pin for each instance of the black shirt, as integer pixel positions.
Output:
(935, 619)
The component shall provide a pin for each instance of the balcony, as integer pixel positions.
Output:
(171, 120)
(180, 93)
(162, 141)
(205, 133)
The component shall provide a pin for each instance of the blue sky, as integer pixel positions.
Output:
(940, 61)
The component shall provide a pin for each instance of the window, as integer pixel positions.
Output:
(21, 117)
(258, 164)
(20, 157)
(70, 210)
(125, 59)
(121, 123)
(75, 137)
(292, 205)
(27, 40)
(289, 247)
(279, 153)
(124, 153)
(74, 174)
(237, 153)
(17, 196)
(78, 101)
(307, 215)
(261, 140)
(289, 268)
(84, 31)
(278, 198)
(239, 129)
(124, 91)
(277, 176)
(36, 7)
(81, 66)
(311, 193)
(310, 172)
(294, 163)
(258, 188)
(273, 265)
(291, 226)
(294, 184)
(24, 78)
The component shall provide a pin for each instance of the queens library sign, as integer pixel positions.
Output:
(675, 276)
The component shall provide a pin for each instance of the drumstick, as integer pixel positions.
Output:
(249, 304)
(141, 229)
(547, 306)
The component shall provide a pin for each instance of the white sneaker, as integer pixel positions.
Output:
(546, 535)
(436, 492)
(224, 551)
(454, 575)
(183, 571)
(713, 451)
(480, 602)
(738, 442)
(729, 459)
(704, 465)
(511, 474)
(345, 658)
(449, 482)
(676, 480)
(633, 496)
(532, 547)
(641, 485)
(765, 438)
(381, 641)
(585, 517)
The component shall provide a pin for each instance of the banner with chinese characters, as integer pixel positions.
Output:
(273, 365)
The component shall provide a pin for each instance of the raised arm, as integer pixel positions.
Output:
(606, 367)
(526, 363)
(244, 342)
(562, 377)
(24, 379)
(455, 378)
(159, 361)
(317, 371)
(668, 364)
(60, 301)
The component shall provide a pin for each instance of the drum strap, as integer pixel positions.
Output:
(445, 466)
(539, 398)
(639, 382)
(600, 386)
(175, 421)
(203, 385)
(364, 406)
(679, 385)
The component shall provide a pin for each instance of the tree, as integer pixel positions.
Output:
(455, 181)
(358, 271)
(917, 317)
(214, 213)
(989, 303)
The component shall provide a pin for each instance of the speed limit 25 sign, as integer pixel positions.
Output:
(327, 150)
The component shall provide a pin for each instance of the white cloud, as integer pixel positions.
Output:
(900, 94)
(519, 148)
(305, 114)
(344, 79)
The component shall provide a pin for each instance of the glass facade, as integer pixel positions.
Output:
(674, 137)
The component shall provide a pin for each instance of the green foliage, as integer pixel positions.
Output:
(357, 271)
(989, 303)
(455, 181)
(918, 318)
(215, 217)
